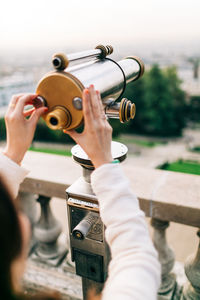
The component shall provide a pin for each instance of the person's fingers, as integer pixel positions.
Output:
(87, 109)
(73, 134)
(103, 116)
(28, 112)
(13, 102)
(22, 101)
(94, 102)
(100, 101)
(102, 110)
(37, 114)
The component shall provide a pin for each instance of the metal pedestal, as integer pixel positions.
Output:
(89, 249)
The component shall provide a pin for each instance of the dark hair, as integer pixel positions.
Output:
(11, 246)
(10, 237)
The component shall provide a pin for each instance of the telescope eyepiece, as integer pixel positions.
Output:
(60, 61)
(53, 121)
(57, 62)
(58, 118)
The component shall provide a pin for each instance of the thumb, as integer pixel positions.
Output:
(37, 114)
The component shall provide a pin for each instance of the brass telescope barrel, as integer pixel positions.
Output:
(62, 89)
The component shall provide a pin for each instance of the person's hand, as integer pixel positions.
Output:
(19, 129)
(96, 137)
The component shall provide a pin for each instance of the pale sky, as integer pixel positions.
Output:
(44, 23)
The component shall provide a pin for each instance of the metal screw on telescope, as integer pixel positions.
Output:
(77, 103)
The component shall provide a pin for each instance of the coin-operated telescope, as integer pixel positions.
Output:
(61, 90)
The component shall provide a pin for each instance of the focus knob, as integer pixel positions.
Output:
(127, 110)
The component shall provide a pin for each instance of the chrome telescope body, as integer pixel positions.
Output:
(61, 90)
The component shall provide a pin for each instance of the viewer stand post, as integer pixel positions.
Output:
(89, 249)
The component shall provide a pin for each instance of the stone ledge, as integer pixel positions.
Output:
(41, 277)
(162, 194)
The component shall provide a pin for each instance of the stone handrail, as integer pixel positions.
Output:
(165, 195)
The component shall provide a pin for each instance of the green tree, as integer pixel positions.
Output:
(44, 133)
(179, 98)
(193, 109)
(2, 130)
(160, 103)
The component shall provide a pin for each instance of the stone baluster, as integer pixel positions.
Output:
(169, 288)
(191, 290)
(47, 231)
(28, 206)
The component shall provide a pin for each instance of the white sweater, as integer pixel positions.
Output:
(134, 271)
(12, 174)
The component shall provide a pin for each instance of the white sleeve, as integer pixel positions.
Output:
(12, 174)
(134, 270)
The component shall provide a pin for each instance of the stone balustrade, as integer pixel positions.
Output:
(164, 197)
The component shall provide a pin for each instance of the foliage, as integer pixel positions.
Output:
(179, 99)
(160, 103)
(118, 127)
(2, 130)
(45, 134)
(124, 139)
(193, 109)
(196, 149)
(182, 166)
(51, 151)
(42, 133)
